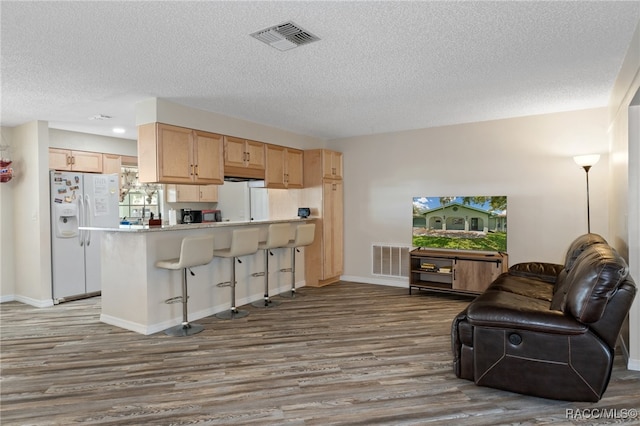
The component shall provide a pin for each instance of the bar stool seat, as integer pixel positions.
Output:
(194, 251)
(243, 242)
(277, 237)
(305, 234)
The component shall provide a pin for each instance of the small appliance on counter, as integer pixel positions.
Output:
(211, 216)
(304, 212)
(190, 216)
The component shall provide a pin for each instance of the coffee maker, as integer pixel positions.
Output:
(186, 216)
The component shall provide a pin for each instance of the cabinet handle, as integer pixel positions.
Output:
(73, 160)
(196, 167)
(248, 157)
(192, 170)
(68, 160)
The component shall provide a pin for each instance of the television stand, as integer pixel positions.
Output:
(454, 271)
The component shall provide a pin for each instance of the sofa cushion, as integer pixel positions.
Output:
(595, 277)
(539, 270)
(514, 311)
(576, 248)
(523, 285)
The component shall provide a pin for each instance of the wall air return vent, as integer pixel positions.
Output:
(285, 36)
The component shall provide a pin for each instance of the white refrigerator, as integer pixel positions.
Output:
(77, 200)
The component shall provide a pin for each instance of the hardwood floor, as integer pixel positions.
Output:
(349, 353)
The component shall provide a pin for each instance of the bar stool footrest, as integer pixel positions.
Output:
(177, 299)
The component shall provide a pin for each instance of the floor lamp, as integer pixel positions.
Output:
(586, 162)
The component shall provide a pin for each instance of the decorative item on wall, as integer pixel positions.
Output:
(6, 171)
(460, 223)
(586, 162)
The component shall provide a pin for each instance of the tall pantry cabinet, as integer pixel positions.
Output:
(323, 189)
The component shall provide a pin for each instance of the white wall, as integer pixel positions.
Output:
(167, 112)
(7, 258)
(86, 142)
(32, 249)
(528, 159)
(624, 137)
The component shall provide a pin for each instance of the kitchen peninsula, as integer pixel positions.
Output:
(134, 290)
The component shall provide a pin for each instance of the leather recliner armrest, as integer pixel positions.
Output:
(507, 310)
(544, 271)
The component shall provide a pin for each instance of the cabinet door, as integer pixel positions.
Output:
(337, 164)
(208, 193)
(293, 172)
(275, 167)
(337, 220)
(187, 193)
(111, 163)
(59, 159)
(475, 275)
(234, 152)
(331, 164)
(208, 151)
(175, 159)
(333, 229)
(83, 161)
(255, 155)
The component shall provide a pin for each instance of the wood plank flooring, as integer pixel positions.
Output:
(345, 354)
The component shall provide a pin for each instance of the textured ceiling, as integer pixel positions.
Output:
(379, 66)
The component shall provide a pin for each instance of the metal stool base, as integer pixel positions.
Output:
(184, 330)
(265, 304)
(232, 314)
(290, 294)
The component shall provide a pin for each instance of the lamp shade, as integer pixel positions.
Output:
(586, 160)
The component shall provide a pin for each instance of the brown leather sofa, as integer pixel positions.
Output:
(545, 329)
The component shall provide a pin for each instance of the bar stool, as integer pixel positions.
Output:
(304, 236)
(277, 237)
(243, 242)
(194, 251)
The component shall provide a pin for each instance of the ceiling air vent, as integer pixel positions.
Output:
(285, 36)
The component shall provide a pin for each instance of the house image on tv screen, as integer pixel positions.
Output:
(461, 223)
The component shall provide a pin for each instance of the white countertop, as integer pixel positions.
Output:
(182, 227)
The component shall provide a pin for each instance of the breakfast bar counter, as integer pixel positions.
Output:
(134, 290)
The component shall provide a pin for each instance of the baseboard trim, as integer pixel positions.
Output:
(193, 316)
(633, 364)
(7, 298)
(46, 303)
(377, 281)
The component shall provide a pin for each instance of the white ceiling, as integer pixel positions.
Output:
(379, 67)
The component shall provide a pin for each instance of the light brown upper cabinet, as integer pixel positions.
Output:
(172, 154)
(332, 164)
(77, 161)
(111, 163)
(284, 167)
(244, 158)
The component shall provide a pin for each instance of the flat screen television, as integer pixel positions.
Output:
(460, 223)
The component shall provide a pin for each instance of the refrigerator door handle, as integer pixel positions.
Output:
(87, 218)
(80, 220)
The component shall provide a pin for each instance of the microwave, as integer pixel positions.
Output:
(211, 216)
